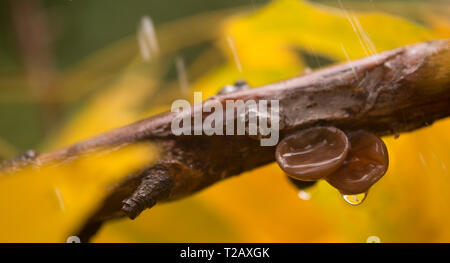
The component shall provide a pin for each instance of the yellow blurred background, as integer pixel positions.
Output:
(48, 102)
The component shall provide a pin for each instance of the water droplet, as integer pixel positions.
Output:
(60, 199)
(302, 194)
(355, 199)
(148, 43)
(373, 239)
(422, 159)
(235, 54)
(183, 81)
(73, 239)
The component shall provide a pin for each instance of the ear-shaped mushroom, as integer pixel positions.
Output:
(313, 153)
(366, 163)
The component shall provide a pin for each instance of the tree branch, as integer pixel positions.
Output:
(388, 93)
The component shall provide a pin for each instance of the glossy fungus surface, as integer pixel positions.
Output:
(313, 153)
(365, 164)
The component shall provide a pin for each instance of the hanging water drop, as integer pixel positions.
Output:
(302, 194)
(355, 199)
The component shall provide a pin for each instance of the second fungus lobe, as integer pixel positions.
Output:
(313, 153)
(366, 163)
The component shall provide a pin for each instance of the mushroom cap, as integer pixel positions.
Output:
(313, 153)
(366, 163)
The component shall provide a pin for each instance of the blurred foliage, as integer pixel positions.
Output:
(45, 204)
(114, 86)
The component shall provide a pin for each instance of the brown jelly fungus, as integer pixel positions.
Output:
(313, 153)
(365, 164)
